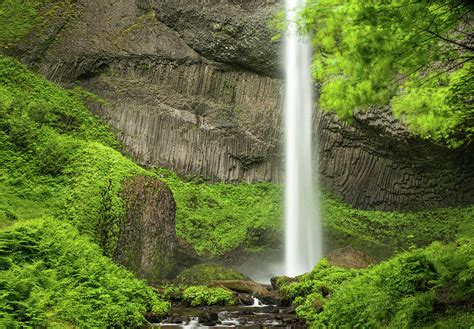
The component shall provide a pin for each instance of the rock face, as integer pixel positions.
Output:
(147, 243)
(195, 86)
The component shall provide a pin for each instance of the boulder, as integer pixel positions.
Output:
(349, 257)
(147, 240)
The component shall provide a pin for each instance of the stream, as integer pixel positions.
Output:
(257, 315)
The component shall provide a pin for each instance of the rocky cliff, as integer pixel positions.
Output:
(196, 86)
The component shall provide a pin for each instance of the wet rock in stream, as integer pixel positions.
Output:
(261, 316)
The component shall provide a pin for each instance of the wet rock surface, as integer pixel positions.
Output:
(261, 316)
(147, 243)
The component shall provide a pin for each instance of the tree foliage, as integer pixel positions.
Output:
(371, 53)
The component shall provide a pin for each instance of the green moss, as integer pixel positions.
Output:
(394, 229)
(202, 296)
(220, 218)
(51, 274)
(205, 273)
(18, 18)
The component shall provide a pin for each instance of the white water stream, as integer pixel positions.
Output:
(302, 219)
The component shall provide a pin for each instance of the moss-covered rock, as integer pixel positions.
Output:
(202, 296)
(349, 257)
(206, 273)
(147, 240)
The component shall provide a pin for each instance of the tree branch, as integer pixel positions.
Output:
(450, 41)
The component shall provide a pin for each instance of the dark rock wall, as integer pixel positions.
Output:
(194, 86)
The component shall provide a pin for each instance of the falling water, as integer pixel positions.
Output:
(302, 222)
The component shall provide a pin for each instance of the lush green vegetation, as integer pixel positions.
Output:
(56, 156)
(202, 296)
(196, 295)
(50, 276)
(415, 54)
(19, 17)
(395, 230)
(205, 273)
(62, 173)
(218, 218)
(59, 160)
(418, 288)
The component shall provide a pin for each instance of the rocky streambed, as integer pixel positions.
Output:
(257, 315)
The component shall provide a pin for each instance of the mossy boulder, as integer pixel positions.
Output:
(205, 273)
(206, 296)
(147, 241)
(349, 257)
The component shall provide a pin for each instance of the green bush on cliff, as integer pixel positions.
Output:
(52, 276)
(418, 288)
(202, 296)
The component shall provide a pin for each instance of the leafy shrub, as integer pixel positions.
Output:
(171, 292)
(414, 289)
(202, 296)
(50, 273)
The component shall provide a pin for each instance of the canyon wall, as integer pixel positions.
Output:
(196, 86)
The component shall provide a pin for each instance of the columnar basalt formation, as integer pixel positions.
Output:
(195, 86)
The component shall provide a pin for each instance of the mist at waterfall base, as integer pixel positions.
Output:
(303, 247)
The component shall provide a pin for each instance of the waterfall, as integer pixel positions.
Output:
(302, 219)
